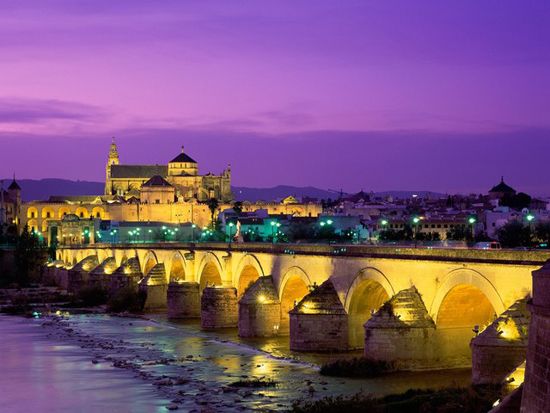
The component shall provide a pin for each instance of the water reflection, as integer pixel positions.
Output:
(185, 364)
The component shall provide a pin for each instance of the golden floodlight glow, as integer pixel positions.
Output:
(508, 330)
(261, 299)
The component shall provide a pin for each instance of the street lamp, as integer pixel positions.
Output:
(193, 226)
(274, 225)
(472, 221)
(231, 225)
(415, 220)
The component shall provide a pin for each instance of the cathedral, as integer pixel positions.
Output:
(182, 173)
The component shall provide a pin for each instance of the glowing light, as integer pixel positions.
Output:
(384, 222)
(508, 330)
(261, 299)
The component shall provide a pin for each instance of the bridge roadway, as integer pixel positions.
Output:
(456, 289)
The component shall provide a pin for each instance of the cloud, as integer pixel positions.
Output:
(32, 111)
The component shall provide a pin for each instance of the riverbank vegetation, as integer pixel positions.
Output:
(356, 367)
(477, 399)
(254, 383)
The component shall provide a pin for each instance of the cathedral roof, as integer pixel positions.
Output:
(183, 158)
(14, 186)
(502, 187)
(157, 180)
(138, 171)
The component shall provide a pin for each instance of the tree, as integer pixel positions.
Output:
(30, 253)
(213, 205)
(516, 201)
(515, 234)
(459, 233)
(238, 207)
(542, 232)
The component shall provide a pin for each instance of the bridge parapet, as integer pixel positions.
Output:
(366, 251)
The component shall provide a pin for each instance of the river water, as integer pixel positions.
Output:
(100, 363)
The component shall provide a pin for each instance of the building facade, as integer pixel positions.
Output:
(182, 173)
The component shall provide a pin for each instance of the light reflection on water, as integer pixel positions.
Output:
(209, 361)
(42, 375)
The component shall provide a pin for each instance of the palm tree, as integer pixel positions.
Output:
(238, 207)
(213, 205)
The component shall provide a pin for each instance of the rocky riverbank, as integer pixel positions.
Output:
(203, 372)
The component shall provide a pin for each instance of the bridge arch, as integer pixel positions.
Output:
(149, 261)
(177, 268)
(466, 290)
(368, 291)
(247, 271)
(210, 271)
(294, 286)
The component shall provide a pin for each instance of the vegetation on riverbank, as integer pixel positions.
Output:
(254, 383)
(477, 399)
(20, 265)
(126, 299)
(356, 367)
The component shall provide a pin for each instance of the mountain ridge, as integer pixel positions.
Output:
(42, 189)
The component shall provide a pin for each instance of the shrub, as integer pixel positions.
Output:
(126, 299)
(356, 367)
(452, 400)
(92, 296)
(255, 383)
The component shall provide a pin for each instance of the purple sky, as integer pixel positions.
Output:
(380, 95)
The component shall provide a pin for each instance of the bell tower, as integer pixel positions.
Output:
(113, 160)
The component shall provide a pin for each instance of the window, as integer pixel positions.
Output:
(48, 215)
(157, 201)
(98, 215)
(81, 215)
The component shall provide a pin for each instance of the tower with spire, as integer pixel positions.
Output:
(113, 160)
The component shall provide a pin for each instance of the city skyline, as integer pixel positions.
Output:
(356, 95)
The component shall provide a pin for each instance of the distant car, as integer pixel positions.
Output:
(492, 245)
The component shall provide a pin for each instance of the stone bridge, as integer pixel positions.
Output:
(417, 308)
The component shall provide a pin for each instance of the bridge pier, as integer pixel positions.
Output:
(401, 333)
(78, 276)
(319, 322)
(100, 276)
(502, 346)
(126, 276)
(219, 308)
(155, 288)
(536, 392)
(183, 300)
(260, 310)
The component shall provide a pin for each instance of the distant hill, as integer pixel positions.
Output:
(41, 189)
(279, 192)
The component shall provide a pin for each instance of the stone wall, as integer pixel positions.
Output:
(219, 308)
(260, 310)
(183, 300)
(402, 333)
(536, 390)
(319, 322)
(502, 346)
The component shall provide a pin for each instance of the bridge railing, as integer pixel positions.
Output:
(530, 257)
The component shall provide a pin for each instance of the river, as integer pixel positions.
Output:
(101, 363)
